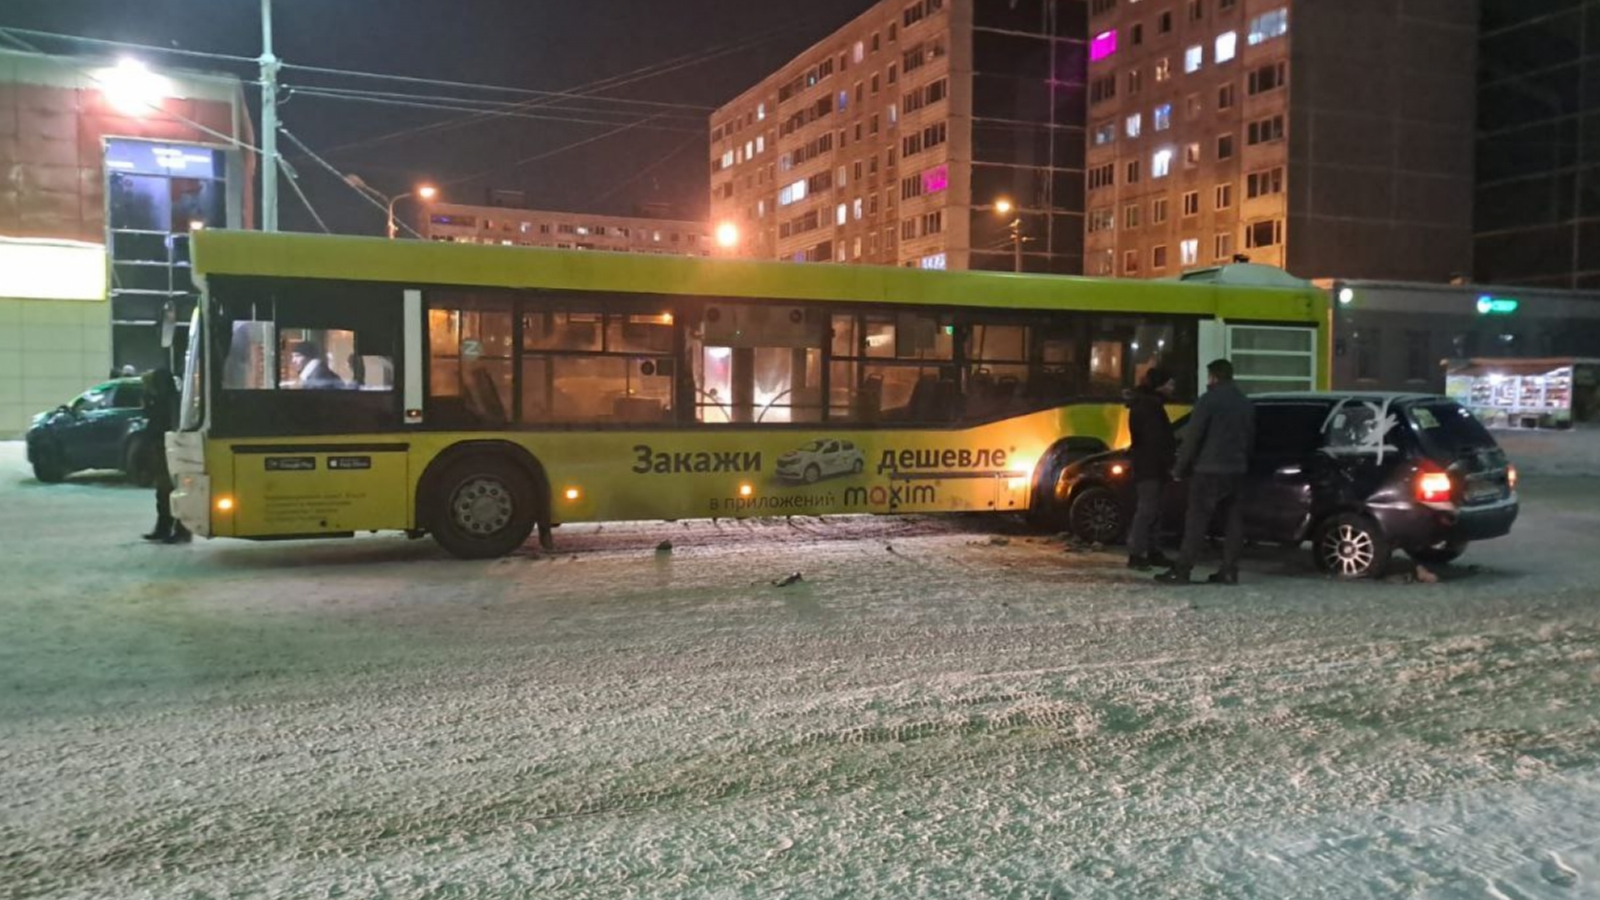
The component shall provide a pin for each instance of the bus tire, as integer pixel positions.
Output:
(485, 506)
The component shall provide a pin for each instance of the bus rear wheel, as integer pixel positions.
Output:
(485, 507)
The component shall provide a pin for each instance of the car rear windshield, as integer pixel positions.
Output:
(1448, 431)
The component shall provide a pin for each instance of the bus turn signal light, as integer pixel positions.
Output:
(224, 504)
(746, 490)
(573, 494)
(1433, 487)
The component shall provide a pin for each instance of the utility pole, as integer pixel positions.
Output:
(269, 123)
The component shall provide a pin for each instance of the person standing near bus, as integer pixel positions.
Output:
(160, 413)
(1154, 454)
(1215, 457)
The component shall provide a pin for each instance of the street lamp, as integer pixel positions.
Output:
(425, 192)
(1003, 207)
(727, 235)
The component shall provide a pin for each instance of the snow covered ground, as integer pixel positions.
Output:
(940, 708)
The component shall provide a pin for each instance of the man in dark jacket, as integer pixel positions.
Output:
(1216, 453)
(161, 413)
(1154, 453)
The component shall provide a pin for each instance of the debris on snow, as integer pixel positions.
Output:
(664, 547)
(788, 580)
(1426, 575)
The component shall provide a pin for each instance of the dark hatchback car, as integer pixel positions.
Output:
(102, 428)
(1359, 476)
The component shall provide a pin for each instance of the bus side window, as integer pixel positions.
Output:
(469, 359)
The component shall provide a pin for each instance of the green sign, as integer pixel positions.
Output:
(1496, 306)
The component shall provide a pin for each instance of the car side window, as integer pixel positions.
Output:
(90, 401)
(128, 396)
(1290, 431)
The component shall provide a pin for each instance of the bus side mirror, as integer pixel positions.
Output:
(169, 324)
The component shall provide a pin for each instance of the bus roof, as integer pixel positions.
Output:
(340, 258)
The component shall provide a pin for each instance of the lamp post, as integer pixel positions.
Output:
(1004, 208)
(424, 191)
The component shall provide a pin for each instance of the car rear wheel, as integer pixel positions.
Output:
(1351, 546)
(813, 474)
(1097, 515)
(1440, 554)
(486, 507)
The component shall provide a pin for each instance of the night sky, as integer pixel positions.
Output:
(546, 45)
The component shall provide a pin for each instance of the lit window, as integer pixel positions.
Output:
(1161, 163)
(1163, 117)
(1227, 46)
(860, 52)
(1135, 125)
(761, 144)
(1193, 59)
(1163, 69)
(761, 112)
(727, 159)
(1103, 46)
(933, 261)
(843, 214)
(1269, 25)
(1105, 134)
(749, 149)
(1191, 154)
(858, 208)
(1189, 250)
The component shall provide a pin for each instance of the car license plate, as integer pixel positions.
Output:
(1481, 492)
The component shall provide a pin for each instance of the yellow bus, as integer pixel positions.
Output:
(482, 394)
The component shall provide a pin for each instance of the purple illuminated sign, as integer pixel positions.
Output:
(1103, 45)
(935, 179)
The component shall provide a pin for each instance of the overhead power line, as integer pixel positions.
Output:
(527, 92)
(126, 45)
(548, 153)
(343, 178)
(671, 121)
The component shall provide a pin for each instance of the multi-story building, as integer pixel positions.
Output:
(901, 138)
(1538, 199)
(1322, 136)
(108, 168)
(563, 230)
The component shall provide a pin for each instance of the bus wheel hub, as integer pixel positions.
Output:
(482, 506)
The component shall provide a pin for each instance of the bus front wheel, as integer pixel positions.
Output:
(486, 507)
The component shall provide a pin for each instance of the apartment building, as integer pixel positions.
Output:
(901, 138)
(466, 224)
(1321, 136)
(1538, 200)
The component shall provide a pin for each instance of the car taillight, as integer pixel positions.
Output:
(1433, 487)
(1511, 477)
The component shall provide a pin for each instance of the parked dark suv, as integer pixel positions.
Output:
(102, 428)
(1357, 475)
